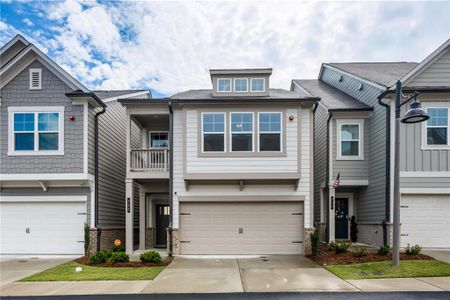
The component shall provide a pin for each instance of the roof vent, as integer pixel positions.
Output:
(35, 79)
(361, 87)
(341, 78)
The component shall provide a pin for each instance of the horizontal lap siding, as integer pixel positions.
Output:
(320, 156)
(437, 74)
(425, 182)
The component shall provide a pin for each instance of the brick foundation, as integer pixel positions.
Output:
(307, 240)
(107, 237)
(175, 241)
(149, 234)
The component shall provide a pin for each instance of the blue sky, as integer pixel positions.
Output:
(169, 46)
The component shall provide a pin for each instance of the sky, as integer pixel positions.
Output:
(169, 47)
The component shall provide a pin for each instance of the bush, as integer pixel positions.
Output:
(118, 257)
(314, 241)
(119, 249)
(151, 257)
(339, 247)
(414, 250)
(383, 250)
(101, 257)
(353, 229)
(87, 239)
(359, 251)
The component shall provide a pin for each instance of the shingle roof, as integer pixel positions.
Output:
(331, 97)
(274, 94)
(383, 73)
(104, 94)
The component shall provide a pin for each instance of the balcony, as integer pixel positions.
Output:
(149, 163)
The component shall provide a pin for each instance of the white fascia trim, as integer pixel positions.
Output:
(424, 174)
(363, 182)
(126, 96)
(46, 176)
(425, 190)
(13, 41)
(85, 137)
(65, 198)
(378, 86)
(302, 88)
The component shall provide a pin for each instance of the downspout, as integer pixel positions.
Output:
(170, 229)
(388, 168)
(99, 231)
(327, 179)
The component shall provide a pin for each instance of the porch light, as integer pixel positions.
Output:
(415, 114)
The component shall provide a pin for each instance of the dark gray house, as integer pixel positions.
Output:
(48, 183)
(353, 125)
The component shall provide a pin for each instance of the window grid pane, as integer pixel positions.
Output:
(213, 123)
(269, 122)
(240, 85)
(242, 123)
(24, 122)
(224, 85)
(437, 126)
(350, 132)
(48, 122)
(258, 85)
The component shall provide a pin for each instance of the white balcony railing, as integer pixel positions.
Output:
(149, 160)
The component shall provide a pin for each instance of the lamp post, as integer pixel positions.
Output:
(414, 115)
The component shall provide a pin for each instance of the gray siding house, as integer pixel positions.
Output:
(352, 139)
(48, 184)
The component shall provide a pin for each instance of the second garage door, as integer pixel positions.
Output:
(241, 228)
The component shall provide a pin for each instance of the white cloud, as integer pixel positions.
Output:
(170, 46)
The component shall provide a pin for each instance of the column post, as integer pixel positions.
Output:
(331, 214)
(142, 225)
(129, 215)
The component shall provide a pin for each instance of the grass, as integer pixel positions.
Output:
(384, 269)
(66, 272)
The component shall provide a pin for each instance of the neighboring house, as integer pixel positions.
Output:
(226, 170)
(47, 156)
(354, 126)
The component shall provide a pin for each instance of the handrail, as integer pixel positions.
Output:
(149, 160)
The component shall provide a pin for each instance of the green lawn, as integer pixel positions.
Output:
(66, 272)
(384, 269)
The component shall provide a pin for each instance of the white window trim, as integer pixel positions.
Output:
(231, 87)
(234, 85)
(243, 132)
(280, 132)
(264, 85)
(34, 70)
(35, 109)
(150, 139)
(224, 132)
(339, 124)
(424, 142)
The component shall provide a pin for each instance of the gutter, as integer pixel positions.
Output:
(170, 229)
(330, 115)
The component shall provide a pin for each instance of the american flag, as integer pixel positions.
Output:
(337, 181)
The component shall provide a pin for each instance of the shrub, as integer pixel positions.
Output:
(414, 250)
(314, 241)
(118, 257)
(353, 229)
(151, 257)
(87, 239)
(101, 257)
(383, 250)
(359, 251)
(339, 247)
(119, 249)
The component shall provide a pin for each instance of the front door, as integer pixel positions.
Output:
(341, 219)
(162, 222)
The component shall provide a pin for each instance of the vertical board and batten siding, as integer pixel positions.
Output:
(320, 156)
(372, 200)
(212, 164)
(18, 93)
(351, 169)
(437, 74)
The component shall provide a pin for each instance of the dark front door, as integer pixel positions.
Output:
(162, 222)
(341, 218)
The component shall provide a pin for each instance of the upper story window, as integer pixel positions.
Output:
(242, 131)
(213, 132)
(35, 79)
(241, 85)
(159, 139)
(349, 139)
(437, 126)
(269, 131)
(258, 85)
(36, 131)
(224, 85)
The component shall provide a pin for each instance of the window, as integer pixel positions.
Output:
(223, 85)
(213, 131)
(241, 131)
(270, 131)
(35, 130)
(258, 85)
(241, 85)
(159, 139)
(437, 126)
(35, 79)
(349, 141)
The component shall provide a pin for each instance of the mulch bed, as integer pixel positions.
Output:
(328, 257)
(131, 264)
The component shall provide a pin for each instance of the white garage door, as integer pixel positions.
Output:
(241, 228)
(42, 227)
(425, 220)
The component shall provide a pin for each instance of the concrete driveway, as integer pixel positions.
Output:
(442, 255)
(269, 273)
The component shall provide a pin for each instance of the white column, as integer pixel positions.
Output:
(331, 206)
(141, 220)
(129, 213)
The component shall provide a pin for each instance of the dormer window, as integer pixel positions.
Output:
(224, 85)
(35, 79)
(258, 85)
(241, 85)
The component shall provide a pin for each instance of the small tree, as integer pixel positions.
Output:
(353, 229)
(314, 241)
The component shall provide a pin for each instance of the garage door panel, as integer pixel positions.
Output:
(267, 228)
